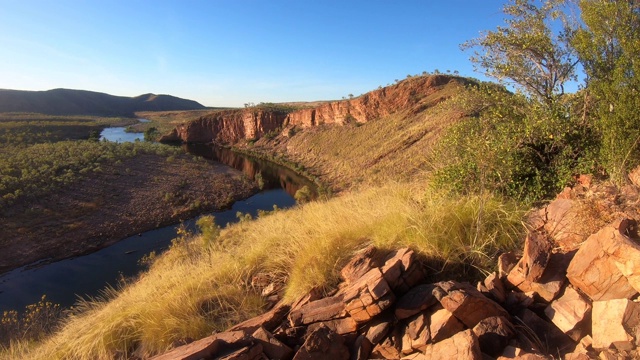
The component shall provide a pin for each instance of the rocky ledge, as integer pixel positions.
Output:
(567, 295)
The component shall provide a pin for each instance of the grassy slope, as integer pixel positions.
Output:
(393, 148)
(194, 288)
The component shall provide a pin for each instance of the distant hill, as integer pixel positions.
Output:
(82, 102)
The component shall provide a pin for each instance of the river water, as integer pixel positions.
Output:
(64, 281)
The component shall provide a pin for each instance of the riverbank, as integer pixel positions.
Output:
(125, 198)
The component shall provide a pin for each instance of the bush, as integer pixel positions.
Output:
(513, 145)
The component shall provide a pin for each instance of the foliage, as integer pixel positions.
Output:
(526, 53)
(38, 169)
(208, 229)
(513, 145)
(303, 195)
(151, 134)
(37, 321)
(608, 46)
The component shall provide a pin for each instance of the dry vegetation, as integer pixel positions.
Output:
(394, 148)
(195, 288)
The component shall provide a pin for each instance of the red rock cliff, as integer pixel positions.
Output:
(233, 125)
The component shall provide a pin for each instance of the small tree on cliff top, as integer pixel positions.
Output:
(526, 53)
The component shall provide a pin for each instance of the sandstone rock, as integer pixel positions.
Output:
(269, 320)
(368, 297)
(594, 272)
(361, 348)
(390, 346)
(378, 329)
(443, 325)
(339, 326)
(323, 344)
(402, 271)
(563, 224)
(417, 333)
(419, 298)
(359, 265)
(271, 346)
(467, 304)
(319, 310)
(610, 318)
(212, 346)
(462, 346)
(552, 280)
(495, 287)
(245, 353)
(537, 250)
(493, 334)
(569, 313)
(506, 262)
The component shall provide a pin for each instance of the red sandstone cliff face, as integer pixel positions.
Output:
(227, 127)
(233, 125)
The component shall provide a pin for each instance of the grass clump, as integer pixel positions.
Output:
(192, 290)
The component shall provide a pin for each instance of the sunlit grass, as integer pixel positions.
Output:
(195, 288)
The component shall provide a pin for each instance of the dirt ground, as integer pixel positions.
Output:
(139, 194)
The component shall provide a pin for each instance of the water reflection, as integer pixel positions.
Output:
(274, 176)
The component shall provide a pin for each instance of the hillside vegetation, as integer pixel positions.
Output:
(449, 178)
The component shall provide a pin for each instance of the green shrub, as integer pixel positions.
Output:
(513, 145)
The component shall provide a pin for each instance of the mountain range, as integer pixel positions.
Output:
(82, 102)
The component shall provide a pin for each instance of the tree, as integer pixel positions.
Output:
(608, 46)
(526, 53)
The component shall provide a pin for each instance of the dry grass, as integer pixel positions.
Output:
(194, 289)
(397, 147)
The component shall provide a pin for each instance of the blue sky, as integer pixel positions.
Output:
(229, 52)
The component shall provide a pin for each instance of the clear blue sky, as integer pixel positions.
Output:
(229, 52)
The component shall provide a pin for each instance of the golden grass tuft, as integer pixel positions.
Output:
(194, 289)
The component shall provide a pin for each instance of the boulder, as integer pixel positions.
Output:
(216, 345)
(323, 343)
(537, 250)
(442, 325)
(359, 265)
(466, 303)
(570, 313)
(272, 347)
(611, 319)
(462, 346)
(506, 262)
(563, 223)
(417, 333)
(402, 271)
(419, 298)
(361, 348)
(495, 288)
(245, 353)
(594, 272)
(378, 329)
(493, 334)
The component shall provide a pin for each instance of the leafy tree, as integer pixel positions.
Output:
(526, 53)
(608, 46)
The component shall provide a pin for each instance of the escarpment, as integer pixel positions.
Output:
(230, 126)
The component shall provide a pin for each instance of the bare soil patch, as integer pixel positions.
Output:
(136, 195)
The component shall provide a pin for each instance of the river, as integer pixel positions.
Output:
(64, 281)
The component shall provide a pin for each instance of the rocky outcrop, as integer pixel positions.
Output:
(227, 127)
(231, 126)
(549, 302)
